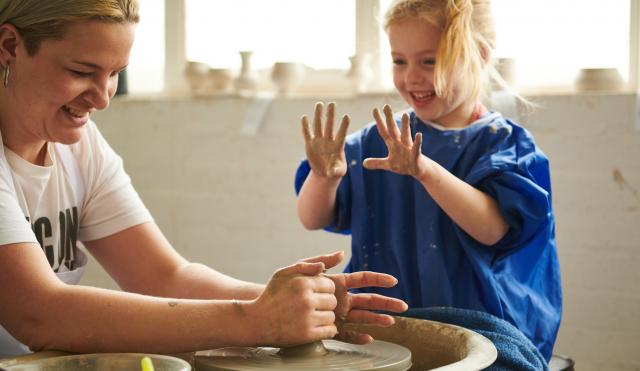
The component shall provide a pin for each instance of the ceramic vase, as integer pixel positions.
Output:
(286, 76)
(196, 75)
(221, 80)
(247, 80)
(360, 72)
(599, 79)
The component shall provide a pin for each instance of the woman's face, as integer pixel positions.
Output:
(414, 44)
(54, 91)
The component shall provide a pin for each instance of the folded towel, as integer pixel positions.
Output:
(515, 351)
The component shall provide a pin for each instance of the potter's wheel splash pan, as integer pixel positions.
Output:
(378, 356)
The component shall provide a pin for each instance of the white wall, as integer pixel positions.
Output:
(226, 199)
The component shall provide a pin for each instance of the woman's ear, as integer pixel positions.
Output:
(10, 37)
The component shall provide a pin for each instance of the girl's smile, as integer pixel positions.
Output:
(414, 45)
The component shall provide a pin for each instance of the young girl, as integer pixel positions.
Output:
(456, 203)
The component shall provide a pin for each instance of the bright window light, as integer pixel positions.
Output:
(552, 40)
(145, 72)
(320, 34)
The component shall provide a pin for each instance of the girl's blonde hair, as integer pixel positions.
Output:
(468, 38)
(39, 20)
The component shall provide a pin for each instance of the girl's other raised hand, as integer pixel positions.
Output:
(325, 152)
(404, 155)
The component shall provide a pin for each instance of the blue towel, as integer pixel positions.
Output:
(515, 351)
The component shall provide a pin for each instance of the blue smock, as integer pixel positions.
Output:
(397, 228)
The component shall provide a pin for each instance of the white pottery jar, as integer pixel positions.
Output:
(599, 79)
(286, 76)
(221, 79)
(360, 72)
(196, 75)
(247, 80)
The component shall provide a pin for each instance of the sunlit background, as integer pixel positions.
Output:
(549, 39)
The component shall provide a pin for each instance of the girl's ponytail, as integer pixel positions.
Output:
(458, 56)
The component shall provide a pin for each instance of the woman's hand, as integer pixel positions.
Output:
(405, 157)
(356, 308)
(296, 307)
(324, 151)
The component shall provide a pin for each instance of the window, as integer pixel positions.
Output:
(552, 40)
(145, 72)
(549, 40)
(320, 34)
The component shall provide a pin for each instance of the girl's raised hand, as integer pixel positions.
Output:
(324, 151)
(404, 155)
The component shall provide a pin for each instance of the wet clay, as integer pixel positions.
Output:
(435, 344)
(377, 356)
(410, 343)
(315, 349)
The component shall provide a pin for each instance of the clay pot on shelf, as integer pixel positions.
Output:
(247, 80)
(599, 79)
(286, 76)
(360, 72)
(196, 75)
(220, 80)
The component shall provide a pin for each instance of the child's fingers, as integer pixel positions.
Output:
(406, 131)
(306, 133)
(376, 164)
(342, 130)
(317, 120)
(356, 280)
(328, 128)
(392, 127)
(417, 145)
(382, 129)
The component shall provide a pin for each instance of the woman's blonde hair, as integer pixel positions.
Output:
(39, 20)
(468, 38)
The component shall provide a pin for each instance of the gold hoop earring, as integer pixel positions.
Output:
(7, 72)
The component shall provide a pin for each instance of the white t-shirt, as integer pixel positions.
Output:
(81, 194)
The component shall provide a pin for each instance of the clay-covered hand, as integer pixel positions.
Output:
(325, 151)
(404, 155)
(357, 308)
(297, 305)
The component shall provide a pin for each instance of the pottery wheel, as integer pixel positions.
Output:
(378, 355)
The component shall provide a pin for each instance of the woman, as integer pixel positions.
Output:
(60, 183)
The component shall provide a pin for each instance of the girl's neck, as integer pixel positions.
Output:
(463, 116)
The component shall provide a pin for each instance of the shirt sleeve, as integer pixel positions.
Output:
(517, 177)
(14, 227)
(111, 203)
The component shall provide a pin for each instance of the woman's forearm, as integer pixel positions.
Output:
(86, 319)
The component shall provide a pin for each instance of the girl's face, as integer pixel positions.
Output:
(414, 44)
(53, 92)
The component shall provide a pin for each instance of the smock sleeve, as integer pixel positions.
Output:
(342, 220)
(517, 177)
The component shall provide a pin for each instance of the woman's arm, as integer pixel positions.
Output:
(296, 306)
(141, 260)
(44, 313)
